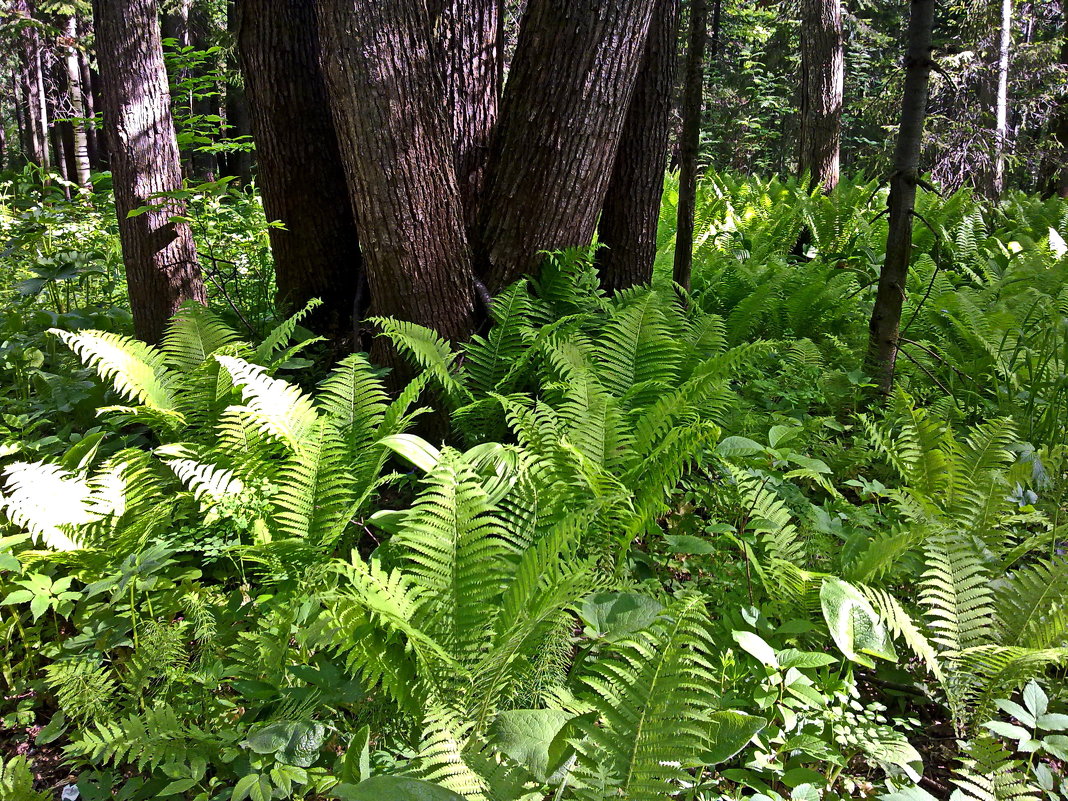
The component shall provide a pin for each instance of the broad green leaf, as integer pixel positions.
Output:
(728, 733)
(854, 624)
(526, 736)
(414, 449)
(394, 788)
(738, 446)
(755, 645)
(612, 615)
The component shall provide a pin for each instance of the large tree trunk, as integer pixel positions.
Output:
(561, 118)
(33, 90)
(387, 97)
(632, 203)
(299, 167)
(79, 150)
(886, 315)
(161, 265)
(690, 143)
(822, 78)
(471, 38)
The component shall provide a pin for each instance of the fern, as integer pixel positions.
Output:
(650, 699)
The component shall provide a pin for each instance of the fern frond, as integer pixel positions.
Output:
(1032, 610)
(193, 335)
(137, 371)
(276, 407)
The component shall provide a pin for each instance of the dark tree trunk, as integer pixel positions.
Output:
(238, 123)
(33, 90)
(822, 78)
(886, 316)
(387, 97)
(1059, 184)
(19, 101)
(690, 142)
(299, 166)
(561, 118)
(161, 265)
(471, 36)
(632, 203)
(205, 104)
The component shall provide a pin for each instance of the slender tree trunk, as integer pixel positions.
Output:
(299, 167)
(80, 140)
(388, 101)
(632, 203)
(33, 89)
(561, 118)
(886, 315)
(206, 104)
(21, 117)
(471, 34)
(161, 264)
(822, 79)
(238, 121)
(690, 143)
(1060, 120)
(92, 139)
(1001, 102)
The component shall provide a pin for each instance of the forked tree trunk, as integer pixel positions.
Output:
(886, 315)
(384, 82)
(822, 79)
(161, 264)
(471, 38)
(301, 175)
(632, 202)
(561, 118)
(690, 143)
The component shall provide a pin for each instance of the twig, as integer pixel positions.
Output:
(925, 370)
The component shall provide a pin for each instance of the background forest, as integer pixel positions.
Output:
(429, 400)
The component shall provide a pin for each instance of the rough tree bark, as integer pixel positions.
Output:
(299, 167)
(822, 79)
(161, 265)
(33, 90)
(561, 117)
(632, 202)
(690, 142)
(471, 39)
(886, 315)
(384, 81)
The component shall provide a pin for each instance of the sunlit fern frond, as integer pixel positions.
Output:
(276, 407)
(315, 487)
(137, 371)
(956, 593)
(427, 350)
(281, 334)
(989, 773)
(194, 334)
(48, 502)
(454, 546)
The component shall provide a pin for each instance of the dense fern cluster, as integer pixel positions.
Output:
(657, 551)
